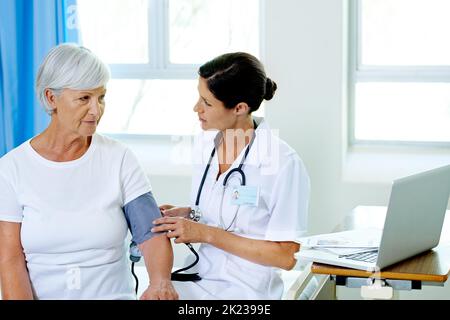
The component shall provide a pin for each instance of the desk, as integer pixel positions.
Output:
(429, 268)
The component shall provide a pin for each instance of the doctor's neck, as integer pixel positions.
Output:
(242, 124)
(240, 132)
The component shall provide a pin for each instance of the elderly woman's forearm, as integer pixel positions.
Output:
(158, 256)
(15, 281)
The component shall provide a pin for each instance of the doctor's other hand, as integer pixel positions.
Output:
(162, 290)
(182, 229)
(168, 210)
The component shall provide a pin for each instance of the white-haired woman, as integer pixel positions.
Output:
(69, 195)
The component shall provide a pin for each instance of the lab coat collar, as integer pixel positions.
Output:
(261, 150)
(260, 123)
(265, 145)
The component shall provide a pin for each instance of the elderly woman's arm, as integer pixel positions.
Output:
(155, 248)
(158, 257)
(14, 278)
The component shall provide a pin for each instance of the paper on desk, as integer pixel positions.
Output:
(358, 239)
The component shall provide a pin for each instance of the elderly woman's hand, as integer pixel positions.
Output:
(168, 210)
(183, 230)
(161, 290)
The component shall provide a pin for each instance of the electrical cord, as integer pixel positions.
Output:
(178, 276)
(135, 278)
(135, 256)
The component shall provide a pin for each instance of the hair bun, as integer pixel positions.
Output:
(271, 87)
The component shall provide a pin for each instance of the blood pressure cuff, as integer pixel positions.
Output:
(140, 214)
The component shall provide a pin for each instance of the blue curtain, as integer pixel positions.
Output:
(28, 30)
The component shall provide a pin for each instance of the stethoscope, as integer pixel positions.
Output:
(196, 214)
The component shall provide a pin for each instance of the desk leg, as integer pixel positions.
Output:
(326, 289)
(396, 295)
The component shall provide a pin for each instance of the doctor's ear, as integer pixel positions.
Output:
(242, 109)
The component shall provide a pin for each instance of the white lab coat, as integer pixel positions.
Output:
(281, 215)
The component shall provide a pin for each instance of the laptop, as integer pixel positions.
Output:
(413, 224)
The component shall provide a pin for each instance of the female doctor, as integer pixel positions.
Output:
(250, 190)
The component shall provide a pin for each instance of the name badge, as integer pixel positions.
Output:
(245, 195)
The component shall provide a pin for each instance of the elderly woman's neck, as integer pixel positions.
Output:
(58, 145)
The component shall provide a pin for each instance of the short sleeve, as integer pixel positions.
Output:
(10, 209)
(133, 179)
(289, 203)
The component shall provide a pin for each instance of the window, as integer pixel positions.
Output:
(154, 49)
(400, 72)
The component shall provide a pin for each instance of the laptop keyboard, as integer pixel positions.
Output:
(370, 256)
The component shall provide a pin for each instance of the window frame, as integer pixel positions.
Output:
(159, 66)
(360, 73)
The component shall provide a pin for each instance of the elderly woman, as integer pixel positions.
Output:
(68, 194)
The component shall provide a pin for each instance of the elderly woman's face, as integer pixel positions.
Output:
(79, 110)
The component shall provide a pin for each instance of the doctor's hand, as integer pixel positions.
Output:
(162, 290)
(168, 210)
(183, 230)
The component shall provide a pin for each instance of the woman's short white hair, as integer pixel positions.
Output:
(69, 66)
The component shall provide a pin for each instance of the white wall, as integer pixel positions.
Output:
(305, 56)
(306, 47)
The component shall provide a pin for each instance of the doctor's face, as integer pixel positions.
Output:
(212, 113)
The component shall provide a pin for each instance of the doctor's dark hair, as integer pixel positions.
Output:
(238, 77)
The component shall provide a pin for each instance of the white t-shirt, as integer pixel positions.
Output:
(73, 226)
